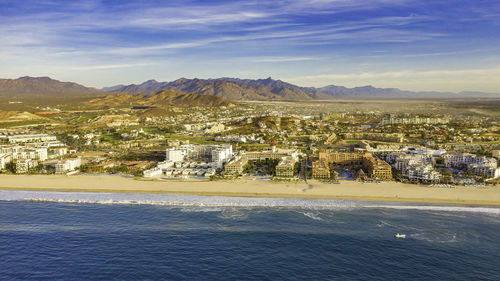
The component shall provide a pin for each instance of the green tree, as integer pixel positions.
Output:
(11, 167)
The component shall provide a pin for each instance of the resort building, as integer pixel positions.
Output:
(320, 170)
(30, 138)
(236, 166)
(286, 167)
(374, 168)
(4, 159)
(175, 155)
(67, 165)
(24, 165)
(392, 119)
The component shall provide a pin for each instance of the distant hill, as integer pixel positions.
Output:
(42, 86)
(269, 89)
(164, 99)
(19, 116)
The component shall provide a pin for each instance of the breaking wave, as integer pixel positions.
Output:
(457, 209)
(213, 203)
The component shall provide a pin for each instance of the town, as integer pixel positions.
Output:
(283, 141)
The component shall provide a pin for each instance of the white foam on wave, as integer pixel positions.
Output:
(208, 203)
(312, 215)
(214, 203)
(458, 209)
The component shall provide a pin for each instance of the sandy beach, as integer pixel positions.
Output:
(385, 191)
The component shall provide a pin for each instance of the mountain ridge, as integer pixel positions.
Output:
(36, 86)
(234, 89)
(237, 89)
(164, 99)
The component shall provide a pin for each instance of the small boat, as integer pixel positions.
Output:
(400, 236)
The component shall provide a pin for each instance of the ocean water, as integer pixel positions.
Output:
(106, 236)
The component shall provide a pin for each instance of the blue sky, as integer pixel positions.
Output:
(446, 45)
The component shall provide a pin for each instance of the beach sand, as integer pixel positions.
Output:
(385, 191)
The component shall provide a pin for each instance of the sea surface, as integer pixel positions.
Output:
(110, 236)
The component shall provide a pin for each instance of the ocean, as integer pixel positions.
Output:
(111, 236)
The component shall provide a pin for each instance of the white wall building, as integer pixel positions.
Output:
(30, 138)
(175, 155)
(4, 159)
(67, 165)
(24, 165)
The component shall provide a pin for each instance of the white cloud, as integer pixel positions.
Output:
(480, 79)
(281, 59)
(109, 66)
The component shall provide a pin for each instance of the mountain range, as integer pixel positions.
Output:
(232, 89)
(269, 89)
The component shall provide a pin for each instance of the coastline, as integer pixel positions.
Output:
(385, 191)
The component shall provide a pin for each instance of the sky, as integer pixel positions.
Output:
(442, 45)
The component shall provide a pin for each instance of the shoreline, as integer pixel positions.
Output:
(349, 190)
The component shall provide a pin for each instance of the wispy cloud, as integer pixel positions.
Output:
(437, 79)
(281, 59)
(109, 66)
(203, 35)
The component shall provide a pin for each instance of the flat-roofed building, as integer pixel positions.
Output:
(236, 167)
(175, 155)
(320, 170)
(374, 168)
(4, 159)
(377, 169)
(24, 165)
(67, 165)
(31, 138)
(273, 154)
(286, 167)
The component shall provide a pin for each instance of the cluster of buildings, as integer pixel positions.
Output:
(284, 169)
(422, 164)
(192, 160)
(239, 138)
(28, 151)
(414, 120)
(67, 165)
(207, 128)
(389, 137)
(25, 138)
(374, 168)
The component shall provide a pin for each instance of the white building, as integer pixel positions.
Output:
(157, 171)
(31, 153)
(24, 165)
(4, 159)
(422, 173)
(217, 128)
(175, 154)
(67, 165)
(221, 155)
(30, 138)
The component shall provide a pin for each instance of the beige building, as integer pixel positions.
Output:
(375, 168)
(286, 167)
(236, 166)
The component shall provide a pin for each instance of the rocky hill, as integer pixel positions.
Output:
(163, 99)
(42, 86)
(18, 116)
